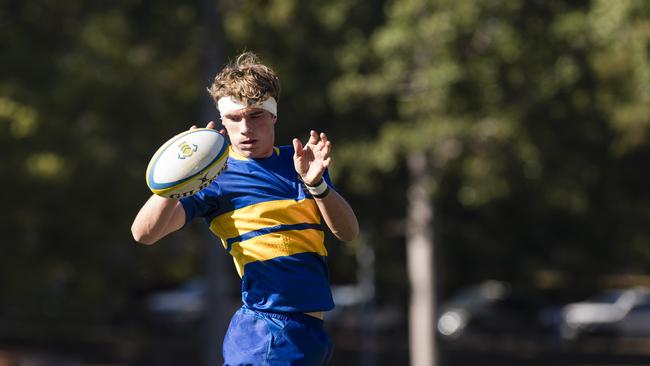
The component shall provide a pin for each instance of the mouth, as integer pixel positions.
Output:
(247, 142)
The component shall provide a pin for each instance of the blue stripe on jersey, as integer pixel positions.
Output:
(298, 282)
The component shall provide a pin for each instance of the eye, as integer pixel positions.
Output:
(234, 118)
(257, 115)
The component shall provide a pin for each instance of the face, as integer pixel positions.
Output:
(251, 132)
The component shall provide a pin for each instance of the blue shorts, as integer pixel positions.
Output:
(264, 338)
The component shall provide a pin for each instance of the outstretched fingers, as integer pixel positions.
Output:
(211, 125)
(297, 148)
(326, 162)
(327, 148)
(324, 145)
(313, 137)
(318, 145)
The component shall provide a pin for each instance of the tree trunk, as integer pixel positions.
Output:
(218, 269)
(419, 256)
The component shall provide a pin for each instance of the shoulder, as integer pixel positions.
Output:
(285, 153)
(285, 150)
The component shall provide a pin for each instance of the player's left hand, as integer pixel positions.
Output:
(311, 159)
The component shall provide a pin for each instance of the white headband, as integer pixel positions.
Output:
(228, 104)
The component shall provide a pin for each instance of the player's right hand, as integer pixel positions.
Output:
(211, 125)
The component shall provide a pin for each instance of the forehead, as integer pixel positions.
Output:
(244, 112)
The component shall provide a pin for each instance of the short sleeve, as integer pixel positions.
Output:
(201, 204)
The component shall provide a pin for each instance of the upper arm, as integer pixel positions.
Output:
(157, 218)
(177, 220)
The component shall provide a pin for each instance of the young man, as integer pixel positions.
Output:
(267, 208)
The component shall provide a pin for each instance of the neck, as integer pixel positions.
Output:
(237, 154)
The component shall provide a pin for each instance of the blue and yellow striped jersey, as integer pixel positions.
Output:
(272, 228)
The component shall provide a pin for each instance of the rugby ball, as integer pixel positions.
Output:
(187, 163)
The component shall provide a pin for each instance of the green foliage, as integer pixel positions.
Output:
(534, 115)
(531, 112)
(88, 91)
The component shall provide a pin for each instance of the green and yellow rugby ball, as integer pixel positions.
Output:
(187, 163)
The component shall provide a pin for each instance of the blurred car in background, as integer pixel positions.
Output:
(488, 309)
(182, 305)
(616, 312)
(636, 323)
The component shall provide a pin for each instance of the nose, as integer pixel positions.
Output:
(246, 126)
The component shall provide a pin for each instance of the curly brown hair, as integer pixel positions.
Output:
(246, 80)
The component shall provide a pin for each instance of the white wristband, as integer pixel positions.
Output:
(317, 190)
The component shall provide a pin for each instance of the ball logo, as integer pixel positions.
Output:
(186, 150)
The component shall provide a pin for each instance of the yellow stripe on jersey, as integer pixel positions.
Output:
(277, 244)
(264, 215)
(248, 221)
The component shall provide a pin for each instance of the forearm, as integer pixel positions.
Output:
(311, 161)
(158, 217)
(338, 215)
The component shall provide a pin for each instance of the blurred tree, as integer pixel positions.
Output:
(523, 113)
(87, 92)
(529, 120)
